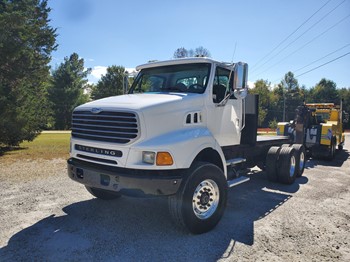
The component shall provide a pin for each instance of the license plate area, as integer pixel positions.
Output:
(105, 180)
(80, 173)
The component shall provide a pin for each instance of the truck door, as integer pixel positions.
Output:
(224, 121)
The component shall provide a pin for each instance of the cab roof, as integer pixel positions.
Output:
(192, 60)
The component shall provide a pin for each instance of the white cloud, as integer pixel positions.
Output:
(131, 71)
(251, 84)
(98, 71)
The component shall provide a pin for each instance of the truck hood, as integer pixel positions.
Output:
(138, 101)
(159, 113)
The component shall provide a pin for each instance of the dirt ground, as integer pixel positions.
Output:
(44, 216)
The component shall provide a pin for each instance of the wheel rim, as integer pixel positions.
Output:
(205, 199)
(302, 161)
(292, 166)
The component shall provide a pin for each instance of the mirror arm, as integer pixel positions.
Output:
(224, 101)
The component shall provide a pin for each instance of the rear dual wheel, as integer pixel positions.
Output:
(285, 163)
(332, 148)
(271, 163)
(300, 159)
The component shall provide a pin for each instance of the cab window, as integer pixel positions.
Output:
(222, 84)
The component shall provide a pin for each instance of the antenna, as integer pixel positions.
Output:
(233, 64)
(228, 94)
(234, 52)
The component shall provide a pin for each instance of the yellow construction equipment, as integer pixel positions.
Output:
(319, 126)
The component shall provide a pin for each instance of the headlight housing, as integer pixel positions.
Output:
(148, 157)
(160, 158)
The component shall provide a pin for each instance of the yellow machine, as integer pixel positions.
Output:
(319, 126)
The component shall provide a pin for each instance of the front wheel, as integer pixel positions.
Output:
(200, 202)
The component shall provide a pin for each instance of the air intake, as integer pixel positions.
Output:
(107, 126)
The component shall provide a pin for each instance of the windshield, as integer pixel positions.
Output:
(188, 78)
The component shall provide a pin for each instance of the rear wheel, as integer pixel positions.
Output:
(200, 202)
(287, 165)
(331, 149)
(102, 194)
(300, 159)
(271, 163)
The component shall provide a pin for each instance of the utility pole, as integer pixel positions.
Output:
(284, 105)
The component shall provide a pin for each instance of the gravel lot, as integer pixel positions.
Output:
(44, 216)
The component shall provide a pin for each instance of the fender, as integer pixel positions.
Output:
(183, 144)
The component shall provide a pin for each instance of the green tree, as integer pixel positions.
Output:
(26, 43)
(67, 90)
(344, 94)
(325, 91)
(292, 95)
(261, 88)
(197, 52)
(113, 83)
(180, 53)
(201, 52)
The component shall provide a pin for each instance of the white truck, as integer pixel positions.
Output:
(186, 130)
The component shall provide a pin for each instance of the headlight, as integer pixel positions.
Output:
(162, 158)
(148, 157)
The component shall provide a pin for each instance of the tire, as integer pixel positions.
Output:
(286, 145)
(201, 200)
(287, 165)
(331, 150)
(271, 163)
(300, 159)
(102, 194)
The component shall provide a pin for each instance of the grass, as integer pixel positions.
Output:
(267, 134)
(45, 146)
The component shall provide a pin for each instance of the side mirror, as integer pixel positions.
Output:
(240, 76)
(240, 93)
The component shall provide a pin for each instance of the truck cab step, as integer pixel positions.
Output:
(235, 161)
(237, 181)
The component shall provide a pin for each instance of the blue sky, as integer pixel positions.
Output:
(129, 33)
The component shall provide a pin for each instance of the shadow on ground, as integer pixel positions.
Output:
(5, 150)
(340, 157)
(130, 229)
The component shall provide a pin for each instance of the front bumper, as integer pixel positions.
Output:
(126, 181)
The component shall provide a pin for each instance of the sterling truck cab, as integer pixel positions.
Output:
(184, 131)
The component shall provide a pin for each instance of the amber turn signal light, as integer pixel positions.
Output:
(164, 159)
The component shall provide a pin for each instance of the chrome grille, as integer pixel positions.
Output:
(107, 126)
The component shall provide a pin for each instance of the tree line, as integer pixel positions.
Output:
(34, 97)
(278, 103)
